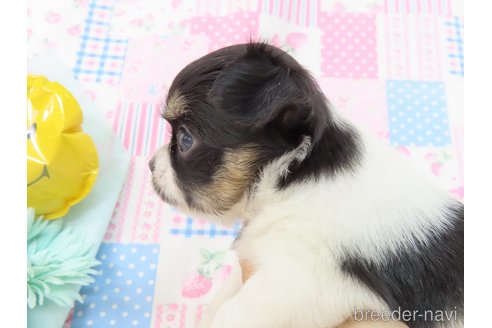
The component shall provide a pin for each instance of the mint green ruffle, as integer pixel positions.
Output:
(57, 257)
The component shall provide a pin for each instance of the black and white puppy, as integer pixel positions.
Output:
(334, 220)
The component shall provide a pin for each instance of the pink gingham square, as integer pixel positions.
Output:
(101, 15)
(90, 63)
(116, 49)
(98, 31)
(113, 65)
(94, 47)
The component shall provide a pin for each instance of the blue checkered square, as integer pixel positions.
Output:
(100, 57)
(122, 295)
(190, 229)
(417, 113)
(455, 46)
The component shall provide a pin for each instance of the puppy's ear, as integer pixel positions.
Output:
(258, 90)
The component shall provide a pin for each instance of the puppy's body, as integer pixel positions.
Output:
(334, 221)
(378, 238)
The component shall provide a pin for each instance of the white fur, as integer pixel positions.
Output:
(165, 178)
(295, 237)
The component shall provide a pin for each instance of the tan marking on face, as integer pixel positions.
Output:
(176, 106)
(230, 182)
(247, 269)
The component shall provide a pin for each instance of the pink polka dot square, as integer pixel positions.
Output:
(348, 45)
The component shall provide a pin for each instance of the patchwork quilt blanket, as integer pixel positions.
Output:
(393, 66)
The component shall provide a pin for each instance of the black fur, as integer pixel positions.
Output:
(428, 278)
(256, 94)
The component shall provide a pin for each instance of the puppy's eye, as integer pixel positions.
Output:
(185, 140)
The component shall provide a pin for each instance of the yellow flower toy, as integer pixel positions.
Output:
(62, 161)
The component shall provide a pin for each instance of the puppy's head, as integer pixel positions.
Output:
(232, 113)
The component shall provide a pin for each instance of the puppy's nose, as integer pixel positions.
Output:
(152, 164)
